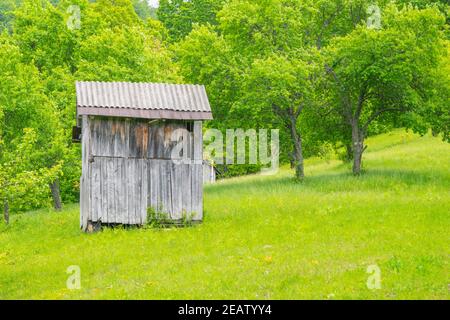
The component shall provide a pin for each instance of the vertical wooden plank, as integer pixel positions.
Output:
(163, 186)
(151, 181)
(151, 154)
(197, 172)
(162, 179)
(170, 167)
(198, 142)
(190, 145)
(85, 177)
(126, 142)
(99, 191)
(112, 173)
(178, 190)
(134, 190)
(136, 195)
(132, 144)
(109, 194)
(104, 188)
(130, 192)
(138, 191)
(95, 190)
(186, 189)
(197, 192)
(122, 195)
(116, 126)
(159, 141)
(117, 189)
(155, 185)
(169, 186)
(138, 142)
(144, 192)
(105, 198)
(95, 136)
(149, 188)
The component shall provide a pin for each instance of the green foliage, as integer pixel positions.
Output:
(205, 57)
(24, 105)
(435, 112)
(179, 16)
(39, 29)
(256, 29)
(125, 54)
(22, 184)
(156, 218)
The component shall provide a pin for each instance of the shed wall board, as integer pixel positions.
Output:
(85, 192)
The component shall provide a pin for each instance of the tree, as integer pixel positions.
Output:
(382, 74)
(284, 87)
(24, 105)
(247, 32)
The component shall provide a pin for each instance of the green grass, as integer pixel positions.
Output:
(262, 238)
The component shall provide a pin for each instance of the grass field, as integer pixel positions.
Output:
(263, 238)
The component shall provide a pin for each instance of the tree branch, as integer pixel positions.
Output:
(299, 110)
(361, 99)
(344, 96)
(376, 114)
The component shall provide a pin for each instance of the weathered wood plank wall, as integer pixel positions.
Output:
(129, 168)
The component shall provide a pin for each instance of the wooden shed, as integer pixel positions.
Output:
(129, 132)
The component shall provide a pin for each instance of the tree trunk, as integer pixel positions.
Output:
(358, 147)
(348, 152)
(6, 211)
(54, 187)
(298, 149)
(434, 132)
(291, 160)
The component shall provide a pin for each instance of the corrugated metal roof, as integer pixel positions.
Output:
(143, 100)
